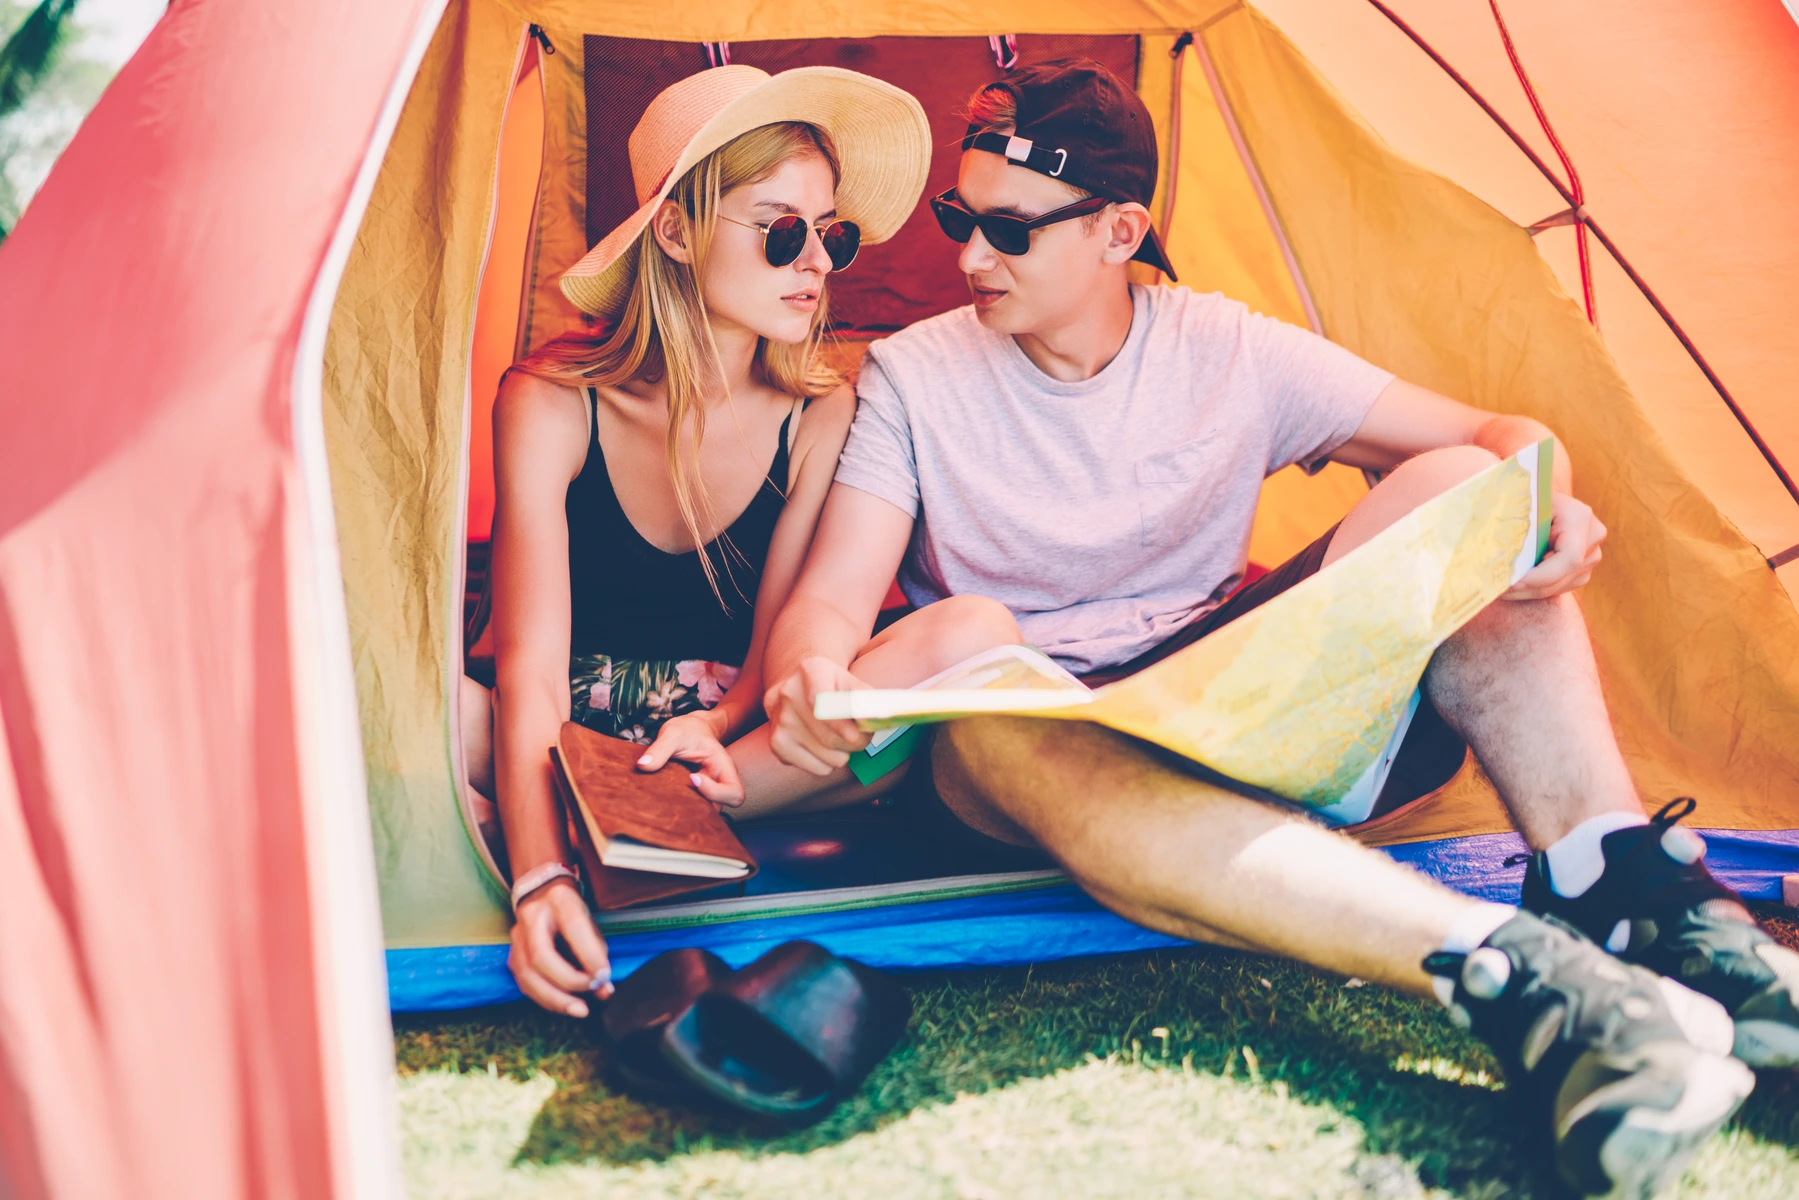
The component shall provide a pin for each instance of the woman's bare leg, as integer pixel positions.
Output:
(477, 761)
(477, 736)
(912, 649)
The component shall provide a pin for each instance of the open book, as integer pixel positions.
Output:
(1303, 695)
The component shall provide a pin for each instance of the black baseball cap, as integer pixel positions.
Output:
(1080, 123)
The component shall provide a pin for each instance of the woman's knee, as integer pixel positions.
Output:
(966, 625)
(477, 735)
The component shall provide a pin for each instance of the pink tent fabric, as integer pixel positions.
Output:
(190, 987)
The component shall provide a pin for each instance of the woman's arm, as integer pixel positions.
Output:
(540, 440)
(813, 464)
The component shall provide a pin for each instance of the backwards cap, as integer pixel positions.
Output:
(1079, 123)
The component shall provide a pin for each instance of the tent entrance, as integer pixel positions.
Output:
(1417, 263)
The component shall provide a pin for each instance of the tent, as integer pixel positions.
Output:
(248, 328)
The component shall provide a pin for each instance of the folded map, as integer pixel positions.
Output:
(1301, 695)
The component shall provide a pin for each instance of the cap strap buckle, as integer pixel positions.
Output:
(1022, 151)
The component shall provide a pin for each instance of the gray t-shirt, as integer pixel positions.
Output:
(1109, 513)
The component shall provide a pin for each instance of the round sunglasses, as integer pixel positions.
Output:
(784, 239)
(1008, 235)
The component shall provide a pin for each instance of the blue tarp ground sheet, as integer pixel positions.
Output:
(1008, 929)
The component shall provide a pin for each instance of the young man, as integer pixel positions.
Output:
(1089, 454)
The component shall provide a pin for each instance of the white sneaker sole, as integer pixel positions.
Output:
(1651, 1147)
(1704, 1021)
(1766, 1044)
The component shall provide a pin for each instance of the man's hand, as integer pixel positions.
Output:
(1574, 537)
(800, 739)
(557, 911)
(692, 738)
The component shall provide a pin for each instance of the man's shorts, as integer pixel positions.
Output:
(1428, 756)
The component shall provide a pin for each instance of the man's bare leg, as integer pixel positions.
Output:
(1182, 856)
(1179, 855)
(1518, 682)
(1520, 685)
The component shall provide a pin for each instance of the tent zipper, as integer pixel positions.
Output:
(543, 39)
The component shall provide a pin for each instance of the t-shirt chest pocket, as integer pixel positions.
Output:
(1175, 487)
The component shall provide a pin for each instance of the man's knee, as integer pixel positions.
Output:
(1436, 471)
(1407, 486)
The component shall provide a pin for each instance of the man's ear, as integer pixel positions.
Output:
(670, 227)
(1126, 226)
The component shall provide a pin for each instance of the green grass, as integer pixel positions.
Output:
(1192, 1072)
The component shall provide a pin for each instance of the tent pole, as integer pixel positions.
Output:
(1574, 188)
(1705, 368)
(1255, 175)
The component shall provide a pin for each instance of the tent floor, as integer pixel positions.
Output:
(864, 884)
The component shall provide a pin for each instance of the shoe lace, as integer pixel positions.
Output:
(1661, 820)
(1690, 885)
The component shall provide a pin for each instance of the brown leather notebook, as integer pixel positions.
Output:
(641, 836)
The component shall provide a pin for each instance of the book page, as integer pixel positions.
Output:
(632, 855)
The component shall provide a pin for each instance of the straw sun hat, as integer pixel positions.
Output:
(883, 150)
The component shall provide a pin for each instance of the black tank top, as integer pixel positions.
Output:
(630, 599)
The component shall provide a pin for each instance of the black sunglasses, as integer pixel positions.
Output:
(784, 239)
(1008, 235)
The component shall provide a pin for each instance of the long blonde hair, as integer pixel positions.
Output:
(662, 332)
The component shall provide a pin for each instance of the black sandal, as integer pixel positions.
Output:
(789, 1035)
(642, 1007)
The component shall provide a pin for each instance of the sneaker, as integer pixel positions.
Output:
(1659, 907)
(1631, 1072)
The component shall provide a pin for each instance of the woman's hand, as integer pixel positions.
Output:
(692, 738)
(543, 972)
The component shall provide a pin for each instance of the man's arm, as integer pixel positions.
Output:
(1408, 420)
(825, 623)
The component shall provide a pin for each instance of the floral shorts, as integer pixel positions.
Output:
(630, 699)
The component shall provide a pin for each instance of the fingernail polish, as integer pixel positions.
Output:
(577, 1010)
(600, 981)
(644, 761)
(694, 779)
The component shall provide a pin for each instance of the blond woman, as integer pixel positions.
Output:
(659, 478)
